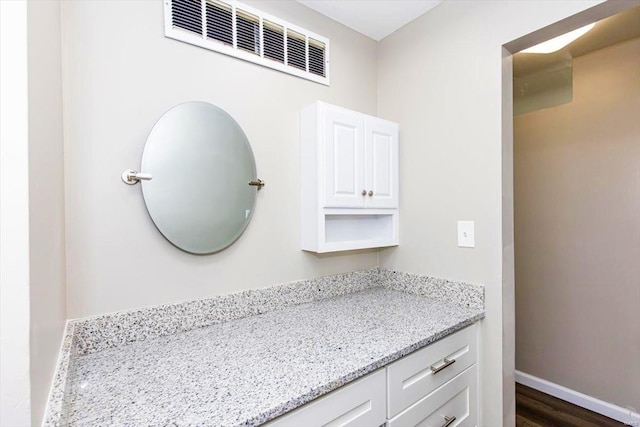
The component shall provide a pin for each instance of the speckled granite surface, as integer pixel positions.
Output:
(251, 370)
(121, 328)
(61, 385)
(460, 293)
(116, 351)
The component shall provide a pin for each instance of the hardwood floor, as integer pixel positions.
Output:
(537, 409)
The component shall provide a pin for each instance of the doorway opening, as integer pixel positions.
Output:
(571, 186)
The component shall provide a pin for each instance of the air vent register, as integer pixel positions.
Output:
(241, 31)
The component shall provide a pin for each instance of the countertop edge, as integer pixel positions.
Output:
(54, 411)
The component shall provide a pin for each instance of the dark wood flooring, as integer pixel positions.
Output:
(537, 409)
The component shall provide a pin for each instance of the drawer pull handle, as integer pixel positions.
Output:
(447, 362)
(448, 421)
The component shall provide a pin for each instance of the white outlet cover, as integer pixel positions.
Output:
(466, 234)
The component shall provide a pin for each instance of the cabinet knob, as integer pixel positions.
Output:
(370, 193)
(364, 192)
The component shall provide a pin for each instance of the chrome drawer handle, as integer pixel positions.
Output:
(447, 362)
(448, 421)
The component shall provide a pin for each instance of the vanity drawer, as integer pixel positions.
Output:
(415, 376)
(361, 403)
(453, 405)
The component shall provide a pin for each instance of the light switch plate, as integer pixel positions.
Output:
(466, 234)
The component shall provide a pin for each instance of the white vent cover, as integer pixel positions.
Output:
(238, 30)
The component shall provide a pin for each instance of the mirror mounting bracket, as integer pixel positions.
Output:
(257, 183)
(131, 176)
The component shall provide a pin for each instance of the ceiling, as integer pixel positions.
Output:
(376, 19)
(607, 32)
(379, 18)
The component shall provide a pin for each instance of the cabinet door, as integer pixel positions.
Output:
(344, 159)
(381, 151)
(361, 403)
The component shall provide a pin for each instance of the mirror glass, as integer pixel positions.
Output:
(201, 163)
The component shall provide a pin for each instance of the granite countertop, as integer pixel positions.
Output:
(250, 370)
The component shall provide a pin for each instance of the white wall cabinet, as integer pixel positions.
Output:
(435, 386)
(349, 179)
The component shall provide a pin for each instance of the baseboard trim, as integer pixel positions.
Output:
(618, 413)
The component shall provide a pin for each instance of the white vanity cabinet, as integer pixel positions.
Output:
(454, 404)
(436, 386)
(361, 403)
(349, 179)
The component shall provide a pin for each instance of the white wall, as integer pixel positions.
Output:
(120, 74)
(46, 198)
(441, 77)
(577, 224)
(14, 217)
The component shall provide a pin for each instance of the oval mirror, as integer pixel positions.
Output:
(201, 165)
